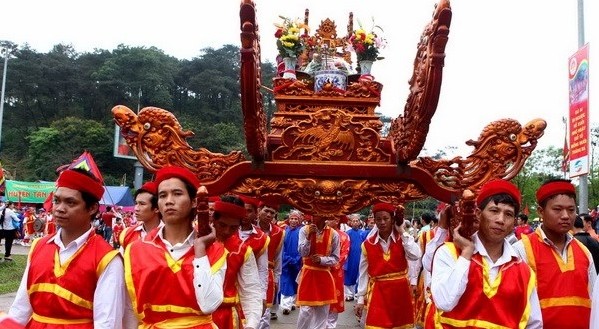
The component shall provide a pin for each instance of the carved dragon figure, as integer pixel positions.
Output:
(158, 140)
(500, 152)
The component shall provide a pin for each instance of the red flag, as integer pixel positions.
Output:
(86, 162)
(48, 202)
(565, 155)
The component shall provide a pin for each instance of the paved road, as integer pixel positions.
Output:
(346, 319)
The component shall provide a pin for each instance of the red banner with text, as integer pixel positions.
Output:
(578, 79)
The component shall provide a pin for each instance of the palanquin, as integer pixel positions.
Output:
(323, 152)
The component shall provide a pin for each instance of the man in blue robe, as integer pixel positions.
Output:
(351, 267)
(292, 262)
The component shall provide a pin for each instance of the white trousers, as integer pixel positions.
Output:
(313, 317)
(287, 302)
(332, 320)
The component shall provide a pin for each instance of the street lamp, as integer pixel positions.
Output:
(7, 50)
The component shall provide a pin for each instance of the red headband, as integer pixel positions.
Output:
(183, 174)
(498, 186)
(382, 206)
(269, 204)
(249, 200)
(149, 187)
(80, 182)
(229, 209)
(553, 188)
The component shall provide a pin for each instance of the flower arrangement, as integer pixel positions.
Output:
(365, 44)
(289, 42)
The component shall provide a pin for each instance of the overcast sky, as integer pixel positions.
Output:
(504, 59)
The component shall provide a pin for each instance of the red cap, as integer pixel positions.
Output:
(498, 186)
(383, 206)
(149, 187)
(183, 174)
(249, 200)
(80, 182)
(343, 219)
(229, 209)
(269, 204)
(553, 188)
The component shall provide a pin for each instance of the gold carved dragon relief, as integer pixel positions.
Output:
(330, 135)
(330, 197)
(157, 140)
(500, 152)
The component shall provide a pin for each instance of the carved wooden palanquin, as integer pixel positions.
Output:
(324, 152)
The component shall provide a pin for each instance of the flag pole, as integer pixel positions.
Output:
(583, 186)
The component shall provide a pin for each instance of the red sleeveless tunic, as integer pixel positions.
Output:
(275, 244)
(147, 263)
(316, 285)
(62, 295)
(388, 300)
(503, 303)
(563, 288)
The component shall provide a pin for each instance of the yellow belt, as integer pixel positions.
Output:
(390, 276)
(45, 319)
(308, 267)
(178, 323)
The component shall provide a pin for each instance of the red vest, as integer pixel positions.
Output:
(275, 244)
(338, 273)
(503, 303)
(389, 299)
(258, 241)
(130, 234)
(563, 288)
(63, 294)
(316, 286)
(148, 263)
(228, 315)
(420, 304)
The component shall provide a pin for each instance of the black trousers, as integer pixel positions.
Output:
(9, 236)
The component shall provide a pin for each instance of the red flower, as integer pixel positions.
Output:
(279, 33)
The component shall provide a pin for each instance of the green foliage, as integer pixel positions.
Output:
(11, 273)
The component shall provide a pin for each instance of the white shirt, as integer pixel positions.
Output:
(304, 246)
(592, 275)
(109, 295)
(429, 251)
(250, 291)
(450, 277)
(595, 306)
(208, 287)
(9, 217)
(278, 260)
(411, 249)
(262, 260)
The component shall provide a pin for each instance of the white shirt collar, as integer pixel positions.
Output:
(185, 244)
(77, 242)
(506, 256)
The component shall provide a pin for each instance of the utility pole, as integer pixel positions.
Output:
(6, 53)
(583, 192)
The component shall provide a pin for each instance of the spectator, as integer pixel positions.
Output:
(522, 226)
(583, 236)
(9, 223)
(108, 218)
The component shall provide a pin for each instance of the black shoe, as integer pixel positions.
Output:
(293, 308)
(8, 259)
(273, 316)
(286, 311)
(349, 299)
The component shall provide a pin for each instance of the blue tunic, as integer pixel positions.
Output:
(292, 261)
(352, 265)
